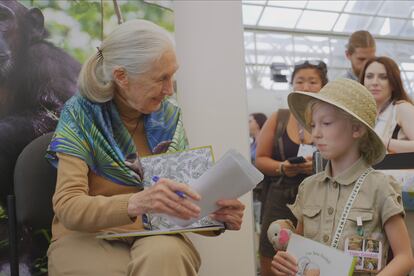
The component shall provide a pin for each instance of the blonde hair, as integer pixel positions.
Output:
(134, 46)
(360, 39)
(365, 147)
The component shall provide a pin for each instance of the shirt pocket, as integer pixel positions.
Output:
(367, 217)
(311, 221)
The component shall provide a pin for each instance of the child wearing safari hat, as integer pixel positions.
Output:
(349, 198)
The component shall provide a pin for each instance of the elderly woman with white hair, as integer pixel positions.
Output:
(121, 113)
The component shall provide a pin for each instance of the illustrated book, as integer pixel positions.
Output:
(231, 177)
(316, 259)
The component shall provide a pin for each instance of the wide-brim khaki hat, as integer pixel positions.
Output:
(351, 97)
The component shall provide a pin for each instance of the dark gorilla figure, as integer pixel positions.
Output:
(36, 78)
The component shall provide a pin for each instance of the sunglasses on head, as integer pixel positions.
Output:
(317, 63)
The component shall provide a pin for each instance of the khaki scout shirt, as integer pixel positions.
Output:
(321, 199)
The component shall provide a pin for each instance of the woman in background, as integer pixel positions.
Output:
(395, 110)
(256, 122)
(282, 177)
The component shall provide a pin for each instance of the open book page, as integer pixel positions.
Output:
(318, 259)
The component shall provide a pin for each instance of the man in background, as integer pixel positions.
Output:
(360, 47)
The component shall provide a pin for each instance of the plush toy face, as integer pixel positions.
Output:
(283, 238)
(278, 236)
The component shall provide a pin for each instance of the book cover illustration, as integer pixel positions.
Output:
(315, 259)
(368, 253)
(184, 166)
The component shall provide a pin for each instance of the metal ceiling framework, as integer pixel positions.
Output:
(288, 31)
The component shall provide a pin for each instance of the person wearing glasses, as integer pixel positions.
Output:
(361, 47)
(122, 112)
(395, 109)
(282, 138)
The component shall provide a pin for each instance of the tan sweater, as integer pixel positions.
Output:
(84, 201)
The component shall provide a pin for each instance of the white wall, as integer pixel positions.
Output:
(212, 94)
(266, 101)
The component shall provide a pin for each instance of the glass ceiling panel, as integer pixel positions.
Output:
(393, 20)
(337, 53)
(396, 8)
(405, 51)
(279, 17)
(279, 59)
(289, 4)
(407, 66)
(310, 46)
(249, 40)
(326, 5)
(251, 14)
(408, 30)
(264, 59)
(386, 48)
(256, 2)
(386, 26)
(263, 46)
(273, 43)
(273, 37)
(314, 20)
(250, 58)
(334, 74)
(349, 23)
(276, 46)
(408, 78)
(365, 7)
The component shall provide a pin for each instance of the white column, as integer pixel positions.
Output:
(212, 94)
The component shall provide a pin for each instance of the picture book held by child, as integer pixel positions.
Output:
(349, 205)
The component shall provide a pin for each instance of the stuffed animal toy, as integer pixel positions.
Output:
(279, 233)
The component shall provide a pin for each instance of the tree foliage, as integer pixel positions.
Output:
(75, 25)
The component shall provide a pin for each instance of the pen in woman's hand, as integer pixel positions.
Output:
(181, 194)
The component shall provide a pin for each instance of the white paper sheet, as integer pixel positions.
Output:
(231, 177)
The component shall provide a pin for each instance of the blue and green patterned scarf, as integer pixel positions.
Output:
(94, 132)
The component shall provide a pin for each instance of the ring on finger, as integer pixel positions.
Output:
(177, 205)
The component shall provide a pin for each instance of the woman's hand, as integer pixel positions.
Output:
(290, 170)
(306, 167)
(230, 212)
(284, 264)
(162, 198)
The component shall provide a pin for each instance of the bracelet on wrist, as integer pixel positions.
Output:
(280, 170)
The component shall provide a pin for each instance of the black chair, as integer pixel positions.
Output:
(31, 205)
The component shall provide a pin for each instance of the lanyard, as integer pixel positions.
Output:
(348, 205)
